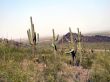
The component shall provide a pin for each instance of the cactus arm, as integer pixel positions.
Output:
(67, 52)
(70, 51)
(52, 45)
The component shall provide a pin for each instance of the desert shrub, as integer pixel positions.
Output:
(87, 59)
(101, 68)
(12, 57)
(52, 69)
(7, 53)
(12, 72)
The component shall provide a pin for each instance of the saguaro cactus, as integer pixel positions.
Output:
(54, 40)
(79, 44)
(32, 36)
(73, 46)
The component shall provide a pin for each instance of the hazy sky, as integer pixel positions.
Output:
(88, 15)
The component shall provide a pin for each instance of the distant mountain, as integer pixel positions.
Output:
(95, 38)
(105, 33)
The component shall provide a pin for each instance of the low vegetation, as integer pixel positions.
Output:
(18, 65)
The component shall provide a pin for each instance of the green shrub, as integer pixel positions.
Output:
(101, 68)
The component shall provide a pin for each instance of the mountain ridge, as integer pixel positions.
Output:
(86, 38)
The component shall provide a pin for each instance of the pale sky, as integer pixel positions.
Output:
(88, 15)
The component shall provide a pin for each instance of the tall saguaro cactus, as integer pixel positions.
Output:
(32, 36)
(79, 44)
(54, 40)
(72, 46)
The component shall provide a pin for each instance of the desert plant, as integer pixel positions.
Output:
(32, 36)
(79, 44)
(54, 40)
(72, 45)
(101, 67)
